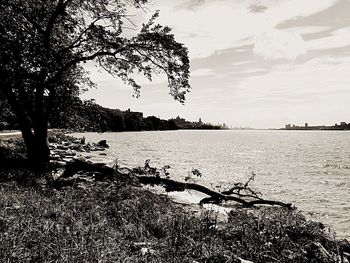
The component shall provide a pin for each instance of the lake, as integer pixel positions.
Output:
(311, 169)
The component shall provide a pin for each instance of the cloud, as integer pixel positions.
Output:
(338, 38)
(278, 44)
(240, 63)
(223, 24)
(295, 82)
(335, 16)
(253, 70)
(307, 30)
(257, 8)
(202, 72)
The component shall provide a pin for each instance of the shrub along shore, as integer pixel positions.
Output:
(103, 219)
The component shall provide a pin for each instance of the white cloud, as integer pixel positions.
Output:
(304, 30)
(241, 63)
(339, 38)
(216, 25)
(298, 82)
(278, 44)
(202, 72)
(253, 70)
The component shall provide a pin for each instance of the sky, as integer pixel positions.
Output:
(254, 63)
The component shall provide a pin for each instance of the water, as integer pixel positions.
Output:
(311, 169)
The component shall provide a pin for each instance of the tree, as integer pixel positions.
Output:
(44, 44)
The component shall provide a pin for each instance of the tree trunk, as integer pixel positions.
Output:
(35, 140)
(38, 152)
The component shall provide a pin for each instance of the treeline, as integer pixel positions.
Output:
(199, 125)
(71, 113)
(78, 115)
(89, 116)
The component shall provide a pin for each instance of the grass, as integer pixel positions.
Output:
(75, 225)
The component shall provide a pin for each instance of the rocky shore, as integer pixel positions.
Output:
(63, 150)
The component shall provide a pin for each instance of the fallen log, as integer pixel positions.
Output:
(100, 172)
(214, 197)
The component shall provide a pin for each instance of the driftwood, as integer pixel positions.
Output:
(151, 176)
(214, 197)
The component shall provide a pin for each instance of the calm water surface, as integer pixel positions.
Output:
(308, 168)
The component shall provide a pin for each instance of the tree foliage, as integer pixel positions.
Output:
(44, 45)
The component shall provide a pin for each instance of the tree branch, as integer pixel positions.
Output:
(169, 184)
(153, 62)
(215, 197)
(59, 10)
(78, 41)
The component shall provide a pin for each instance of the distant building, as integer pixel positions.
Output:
(200, 121)
(134, 114)
(342, 126)
(180, 121)
(224, 126)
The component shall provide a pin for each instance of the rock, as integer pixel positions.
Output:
(79, 158)
(81, 149)
(77, 147)
(99, 148)
(103, 154)
(52, 146)
(62, 147)
(55, 157)
(103, 143)
(59, 163)
(58, 174)
(70, 153)
(88, 147)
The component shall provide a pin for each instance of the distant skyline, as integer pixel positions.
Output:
(261, 64)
